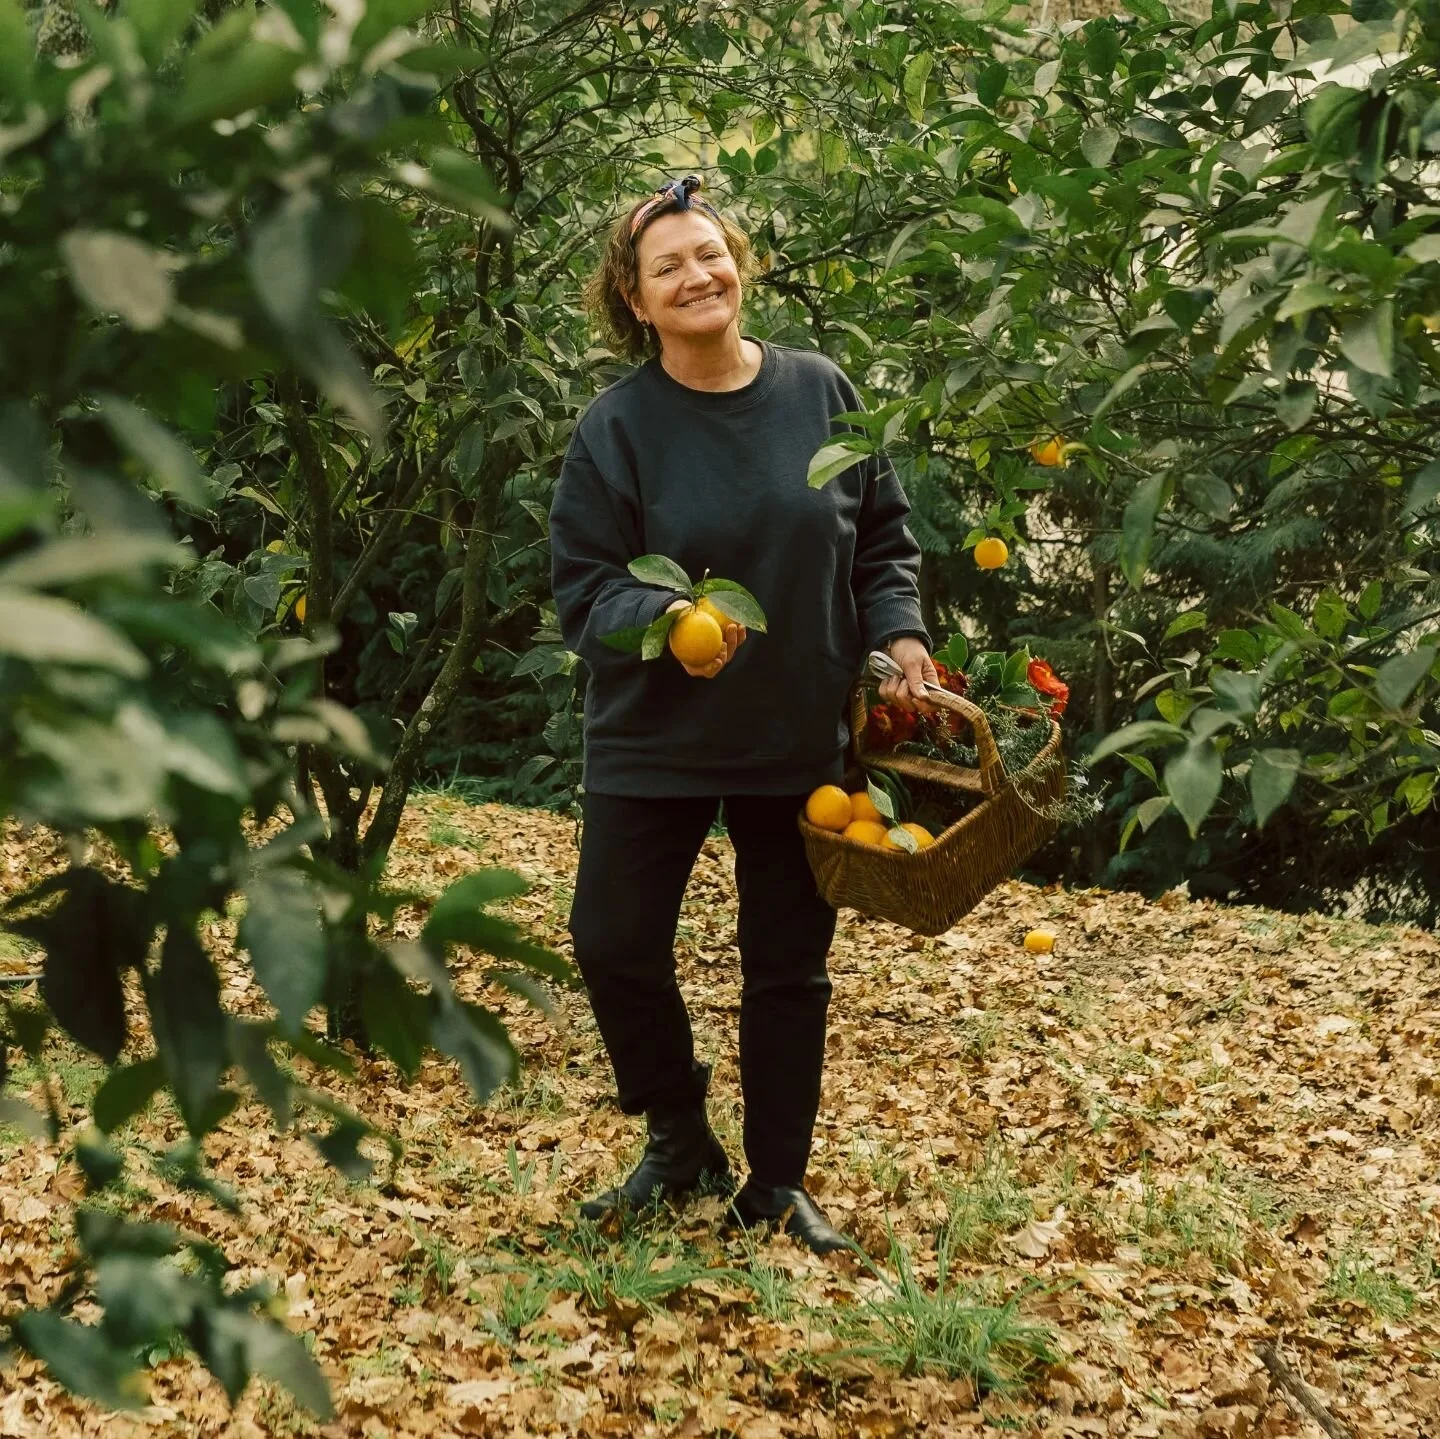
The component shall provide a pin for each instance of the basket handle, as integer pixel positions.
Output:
(992, 767)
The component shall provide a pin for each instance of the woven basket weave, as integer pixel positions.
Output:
(1002, 827)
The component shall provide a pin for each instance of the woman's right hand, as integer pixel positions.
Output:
(734, 638)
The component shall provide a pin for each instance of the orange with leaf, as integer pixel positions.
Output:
(865, 817)
(694, 631)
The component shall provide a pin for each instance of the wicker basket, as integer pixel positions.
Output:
(1003, 825)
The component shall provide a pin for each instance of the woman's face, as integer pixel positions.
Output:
(688, 286)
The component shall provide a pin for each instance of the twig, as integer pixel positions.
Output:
(1300, 1394)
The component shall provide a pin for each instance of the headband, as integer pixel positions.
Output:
(672, 192)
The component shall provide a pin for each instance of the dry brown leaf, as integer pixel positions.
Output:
(1035, 1239)
(480, 1392)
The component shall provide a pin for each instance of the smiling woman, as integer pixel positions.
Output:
(702, 454)
(672, 252)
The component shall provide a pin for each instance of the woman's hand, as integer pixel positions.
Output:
(909, 693)
(734, 637)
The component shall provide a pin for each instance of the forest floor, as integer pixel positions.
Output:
(1125, 1173)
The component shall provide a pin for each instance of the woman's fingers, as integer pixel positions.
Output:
(896, 691)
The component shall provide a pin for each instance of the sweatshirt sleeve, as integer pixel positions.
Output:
(595, 531)
(885, 578)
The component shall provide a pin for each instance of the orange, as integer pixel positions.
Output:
(1049, 452)
(695, 638)
(866, 831)
(1040, 941)
(991, 553)
(828, 808)
(863, 807)
(922, 837)
(300, 609)
(706, 606)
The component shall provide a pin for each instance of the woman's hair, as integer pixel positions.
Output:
(618, 275)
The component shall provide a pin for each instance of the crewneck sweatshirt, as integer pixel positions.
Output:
(716, 480)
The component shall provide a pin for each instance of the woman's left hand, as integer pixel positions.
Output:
(909, 693)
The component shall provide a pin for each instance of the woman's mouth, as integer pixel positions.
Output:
(700, 301)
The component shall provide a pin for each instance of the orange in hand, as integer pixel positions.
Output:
(695, 638)
(706, 606)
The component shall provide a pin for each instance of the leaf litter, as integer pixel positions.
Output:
(1115, 1174)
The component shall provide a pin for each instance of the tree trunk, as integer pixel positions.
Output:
(445, 689)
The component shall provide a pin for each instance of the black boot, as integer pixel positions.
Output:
(681, 1155)
(804, 1220)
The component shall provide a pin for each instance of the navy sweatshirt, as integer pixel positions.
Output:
(717, 481)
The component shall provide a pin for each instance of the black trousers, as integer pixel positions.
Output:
(636, 855)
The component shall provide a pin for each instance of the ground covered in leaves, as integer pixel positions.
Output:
(1093, 1188)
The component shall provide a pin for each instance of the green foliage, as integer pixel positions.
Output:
(176, 226)
(285, 377)
(153, 1286)
(1213, 273)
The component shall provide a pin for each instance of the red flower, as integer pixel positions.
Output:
(879, 731)
(1045, 681)
(953, 680)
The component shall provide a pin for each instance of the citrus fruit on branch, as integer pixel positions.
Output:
(1055, 450)
(1049, 453)
(991, 552)
(694, 634)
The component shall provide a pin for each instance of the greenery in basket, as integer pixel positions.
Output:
(1017, 692)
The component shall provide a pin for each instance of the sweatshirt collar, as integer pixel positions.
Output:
(720, 401)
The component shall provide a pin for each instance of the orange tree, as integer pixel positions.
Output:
(425, 549)
(186, 206)
(1203, 253)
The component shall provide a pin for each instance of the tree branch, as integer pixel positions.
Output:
(320, 582)
(380, 834)
(390, 528)
(1301, 1396)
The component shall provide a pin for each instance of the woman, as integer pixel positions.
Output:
(701, 454)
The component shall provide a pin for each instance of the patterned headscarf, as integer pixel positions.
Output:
(676, 193)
